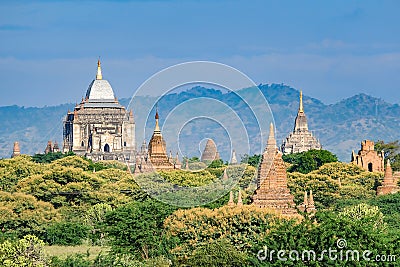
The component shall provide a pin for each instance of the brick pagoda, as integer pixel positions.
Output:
(272, 191)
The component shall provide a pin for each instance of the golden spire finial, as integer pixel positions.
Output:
(99, 76)
(301, 102)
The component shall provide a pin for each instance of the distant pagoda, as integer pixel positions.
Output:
(272, 191)
(156, 158)
(16, 150)
(52, 148)
(210, 152)
(301, 139)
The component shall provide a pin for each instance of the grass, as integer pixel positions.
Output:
(64, 251)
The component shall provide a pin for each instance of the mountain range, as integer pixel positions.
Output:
(340, 127)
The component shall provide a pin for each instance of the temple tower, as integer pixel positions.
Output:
(99, 127)
(272, 191)
(301, 139)
(367, 158)
(157, 149)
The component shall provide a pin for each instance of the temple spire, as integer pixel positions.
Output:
(157, 128)
(271, 143)
(305, 199)
(231, 202)
(240, 201)
(301, 109)
(99, 76)
(311, 200)
(388, 173)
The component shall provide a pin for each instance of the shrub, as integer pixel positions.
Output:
(217, 253)
(66, 233)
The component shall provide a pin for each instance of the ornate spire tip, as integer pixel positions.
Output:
(99, 76)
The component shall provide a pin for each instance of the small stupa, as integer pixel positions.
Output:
(16, 150)
(389, 184)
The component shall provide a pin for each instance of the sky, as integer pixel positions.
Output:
(330, 49)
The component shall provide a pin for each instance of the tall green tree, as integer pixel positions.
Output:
(391, 152)
(137, 228)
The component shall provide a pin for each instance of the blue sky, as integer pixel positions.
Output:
(330, 49)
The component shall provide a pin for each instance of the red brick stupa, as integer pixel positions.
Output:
(272, 191)
(389, 184)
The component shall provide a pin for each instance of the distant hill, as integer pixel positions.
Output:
(340, 126)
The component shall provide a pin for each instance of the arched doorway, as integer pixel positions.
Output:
(106, 148)
(370, 167)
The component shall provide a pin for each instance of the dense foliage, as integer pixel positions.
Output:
(308, 161)
(136, 228)
(22, 214)
(26, 252)
(66, 233)
(71, 200)
(50, 157)
(334, 181)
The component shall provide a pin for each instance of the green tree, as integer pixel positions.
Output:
(368, 214)
(251, 160)
(218, 163)
(322, 232)
(94, 218)
(392, 152)
(22, 214)
(16, 169)
(137, 228)
(308, 161)
(66, 233)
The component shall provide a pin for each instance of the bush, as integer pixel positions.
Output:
(77, 260)
(25, 252)
(217, 253)
(67, 233)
